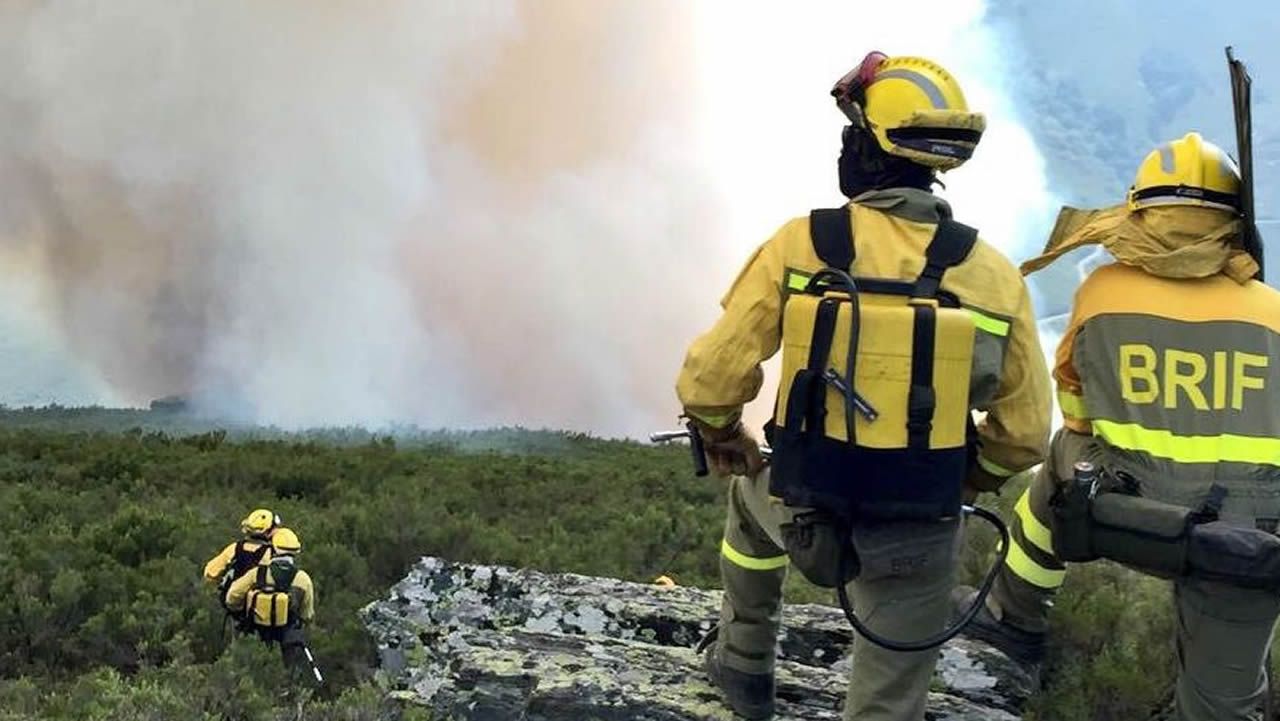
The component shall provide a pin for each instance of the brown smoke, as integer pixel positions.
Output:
(441, 212)
(549, 294)
(447, 214)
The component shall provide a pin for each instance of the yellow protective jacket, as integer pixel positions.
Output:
(236, 554)
(240, 588)
(891, 230)
(1179, 380)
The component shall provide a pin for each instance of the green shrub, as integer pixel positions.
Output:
(105, 539)
(105, 535)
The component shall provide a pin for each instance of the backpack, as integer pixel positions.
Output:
(872, 419)
(267, 604)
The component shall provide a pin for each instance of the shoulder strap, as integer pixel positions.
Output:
(831, 231)
(952, 242)
(922, 400)
(245, 559)
(261, 580)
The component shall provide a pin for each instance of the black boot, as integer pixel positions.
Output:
(750, 695)
(1026, 648)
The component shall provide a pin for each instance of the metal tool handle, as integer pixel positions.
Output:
(315, 670)
(696, 447)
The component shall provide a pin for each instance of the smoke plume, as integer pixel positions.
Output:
(441, 213)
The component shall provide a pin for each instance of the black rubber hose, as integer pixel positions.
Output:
(951, 631)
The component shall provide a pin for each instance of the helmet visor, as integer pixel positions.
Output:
(850, 90)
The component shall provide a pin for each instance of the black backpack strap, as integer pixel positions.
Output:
(824, 330)
(922, 400)
(245, 559)
(805, 405)
(260, 581)
(831, 231)
(952, 242)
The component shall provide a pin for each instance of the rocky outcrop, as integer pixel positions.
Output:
(488, 642)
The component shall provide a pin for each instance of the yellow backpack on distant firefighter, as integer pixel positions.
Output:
(872, 418)
(268, 603)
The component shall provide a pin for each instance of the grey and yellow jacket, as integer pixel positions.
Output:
(891, 228)
(1172, 356)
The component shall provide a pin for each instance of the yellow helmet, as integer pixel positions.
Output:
(285, 541)
(259, 522)
(1187, 171)
(913, 107)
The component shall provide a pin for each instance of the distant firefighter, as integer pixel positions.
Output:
(244, 555)
(277, 598)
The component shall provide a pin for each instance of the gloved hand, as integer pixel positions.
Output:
(979, 480)
(730, 450)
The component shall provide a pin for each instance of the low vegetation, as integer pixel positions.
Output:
(104, 531)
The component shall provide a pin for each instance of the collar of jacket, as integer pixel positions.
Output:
(913, 204)
(1166, 241)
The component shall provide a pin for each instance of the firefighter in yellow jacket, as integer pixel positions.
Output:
(1169, 383)
(277, 598)
(909, 120)
(238, 558)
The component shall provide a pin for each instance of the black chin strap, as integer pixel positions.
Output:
(863, 166)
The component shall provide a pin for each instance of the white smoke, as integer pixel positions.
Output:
(218, 191)
(773, 131)
(445, 213)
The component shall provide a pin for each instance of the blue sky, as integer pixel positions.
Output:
(1098, 84)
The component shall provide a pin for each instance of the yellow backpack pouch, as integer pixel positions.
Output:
(872, 418)
(268, 604)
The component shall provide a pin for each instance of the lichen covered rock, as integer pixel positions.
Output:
(485, 643)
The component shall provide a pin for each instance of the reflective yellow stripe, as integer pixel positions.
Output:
(1072, 404)
(750, 563)
(797, 280)
(1190, 449)
(984, 322)
(994, 468)
(1032, 528)
(1028, 570)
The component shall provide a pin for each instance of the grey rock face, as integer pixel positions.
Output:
(485, 643)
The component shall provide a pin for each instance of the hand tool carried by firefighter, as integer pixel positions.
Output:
(1241, 96)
